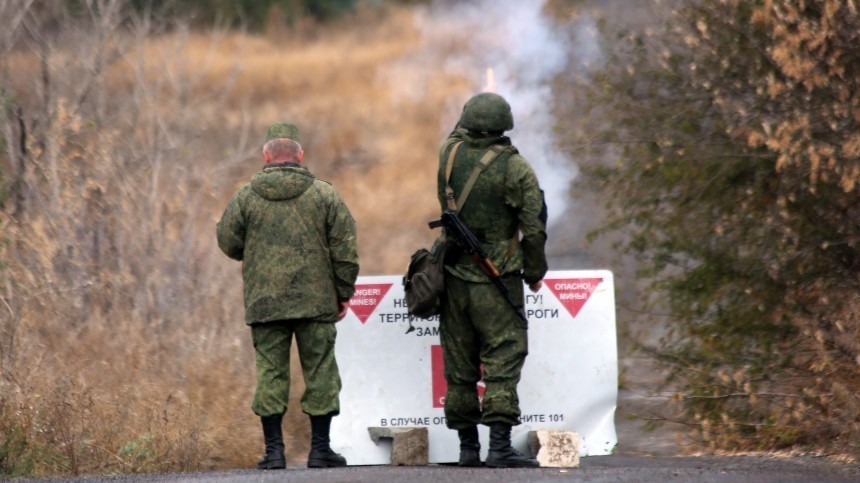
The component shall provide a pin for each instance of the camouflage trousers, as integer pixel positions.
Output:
(479, 329)
(315, 344)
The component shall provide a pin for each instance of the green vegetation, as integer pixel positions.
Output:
(16, 455)
(255, 15)
(734, 131)
(251, 12)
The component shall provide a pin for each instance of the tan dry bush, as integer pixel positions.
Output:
(806, 403)
(123, 343)
(104, 277)
(110, 290)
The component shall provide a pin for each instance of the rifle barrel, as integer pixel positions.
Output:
(454, 225)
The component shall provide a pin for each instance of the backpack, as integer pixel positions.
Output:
(424, 282)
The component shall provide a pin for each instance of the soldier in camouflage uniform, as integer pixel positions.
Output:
(297, 242)
(477, 326)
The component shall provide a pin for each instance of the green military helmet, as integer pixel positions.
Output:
(282, 130)
(487, 112)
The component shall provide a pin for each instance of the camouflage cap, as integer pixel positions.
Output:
(282, 130)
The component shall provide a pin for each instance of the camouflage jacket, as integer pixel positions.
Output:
(505, 198)
(297, 242)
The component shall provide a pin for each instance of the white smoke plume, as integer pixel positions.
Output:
(525, 51)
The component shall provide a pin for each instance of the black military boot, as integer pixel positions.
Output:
(272, 434)
(502, 454)
(321, 455)
(470, 447)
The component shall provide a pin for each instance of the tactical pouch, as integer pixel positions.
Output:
(424, 282)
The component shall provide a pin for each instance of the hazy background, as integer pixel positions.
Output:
(712, 144)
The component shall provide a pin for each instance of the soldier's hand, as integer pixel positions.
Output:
(536, 286)
(341, 309)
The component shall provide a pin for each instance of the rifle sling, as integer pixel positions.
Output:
(449, 167)
(483, 163)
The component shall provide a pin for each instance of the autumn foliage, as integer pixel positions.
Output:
(735, 129)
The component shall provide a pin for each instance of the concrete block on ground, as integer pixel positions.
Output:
(555, 449)
(409, 446)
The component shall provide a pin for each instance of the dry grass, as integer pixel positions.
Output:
(122, 346)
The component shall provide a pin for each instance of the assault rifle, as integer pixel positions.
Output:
(470, 244)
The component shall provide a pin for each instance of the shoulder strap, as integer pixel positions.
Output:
(483, 163)
(486, 160)
(449, 166)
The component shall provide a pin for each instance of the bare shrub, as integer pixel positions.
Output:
(122, 347)
(110, 327)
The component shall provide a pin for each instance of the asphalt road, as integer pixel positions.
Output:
(597, 469)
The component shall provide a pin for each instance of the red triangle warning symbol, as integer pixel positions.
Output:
(366, 298)
(573, 292)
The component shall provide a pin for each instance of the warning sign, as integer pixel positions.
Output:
(573, 293)
(393, 371)
(366, 298)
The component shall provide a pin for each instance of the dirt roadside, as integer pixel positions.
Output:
(641, 456)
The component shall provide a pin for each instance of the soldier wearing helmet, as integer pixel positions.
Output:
(505, 210)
